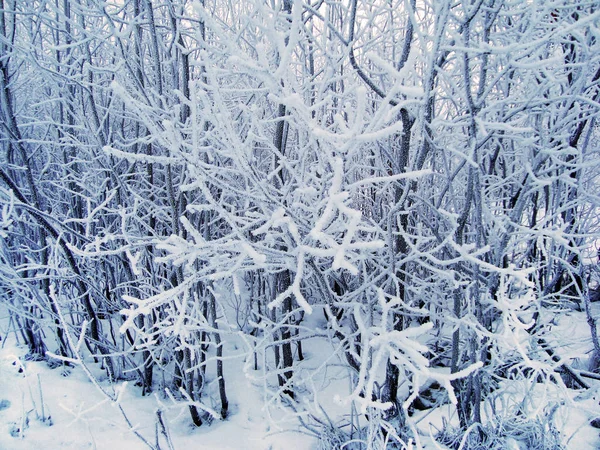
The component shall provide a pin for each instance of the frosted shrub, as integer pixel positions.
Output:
(511, 431)
(332, 438)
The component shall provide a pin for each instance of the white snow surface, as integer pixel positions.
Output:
(82, 418)
(76, 415)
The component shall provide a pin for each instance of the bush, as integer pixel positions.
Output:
(514, 432)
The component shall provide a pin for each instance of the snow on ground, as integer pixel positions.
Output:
(78, 416)
(49, 408)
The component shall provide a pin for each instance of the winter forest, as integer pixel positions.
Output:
(375, 222)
